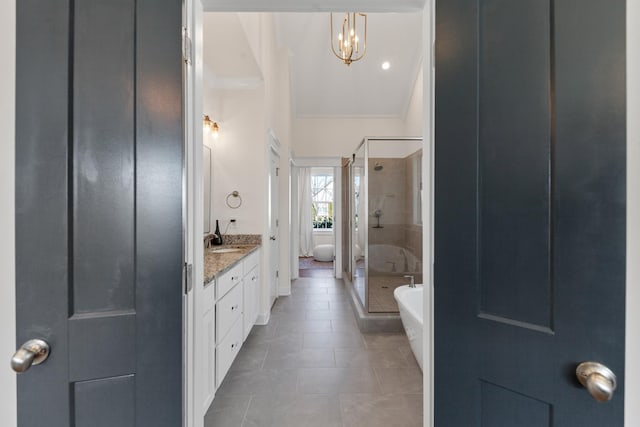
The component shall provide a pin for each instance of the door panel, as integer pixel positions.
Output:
(95, 402)
(99, 211)
(103, 154)
(507, 408)
(529, 210)
(514, 139)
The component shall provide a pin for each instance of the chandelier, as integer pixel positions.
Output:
(347, 48)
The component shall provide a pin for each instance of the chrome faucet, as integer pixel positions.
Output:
(393, 266)
(406, 260)
(413, 281)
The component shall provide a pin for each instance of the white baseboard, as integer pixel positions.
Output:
(284, 291)
(263, 319)
(208, 403)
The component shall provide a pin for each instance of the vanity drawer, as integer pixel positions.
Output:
(227, 351)
(228, 310)
(228, 280)
(250, 262)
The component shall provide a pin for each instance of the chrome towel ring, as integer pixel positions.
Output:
(234, 201)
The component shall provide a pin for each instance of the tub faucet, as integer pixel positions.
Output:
(413, 281)
(393, 266)
(406, 259)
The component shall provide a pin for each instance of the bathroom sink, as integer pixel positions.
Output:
(225, 250)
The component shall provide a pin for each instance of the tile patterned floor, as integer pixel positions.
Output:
(381, 289)
(316, 272)
(311, 367)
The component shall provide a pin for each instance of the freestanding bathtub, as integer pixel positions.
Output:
(393, 260)
(410, 302)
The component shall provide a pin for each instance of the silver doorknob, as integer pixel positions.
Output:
(599, 380)
(272, 238)
(33, 352)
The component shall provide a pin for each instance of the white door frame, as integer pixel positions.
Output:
(274, 210)
(194, 349)
(632, 370)
(8, 403)
(319, 162)
(428, 176)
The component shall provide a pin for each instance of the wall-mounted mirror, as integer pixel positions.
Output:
(206, 187)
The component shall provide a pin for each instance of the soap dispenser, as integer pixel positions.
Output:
(217, 236)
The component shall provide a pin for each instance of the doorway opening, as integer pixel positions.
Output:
(314, 312)
(316, 202)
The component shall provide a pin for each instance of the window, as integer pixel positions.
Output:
(322, 196)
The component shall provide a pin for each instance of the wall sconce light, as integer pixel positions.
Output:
(211, 126)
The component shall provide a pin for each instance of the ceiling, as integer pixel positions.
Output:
(321, 85)
(312, 5)
(228, 59)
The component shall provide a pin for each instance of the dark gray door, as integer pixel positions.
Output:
(99, 211)
(529, 210)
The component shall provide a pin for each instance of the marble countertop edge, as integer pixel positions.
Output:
(216, 264)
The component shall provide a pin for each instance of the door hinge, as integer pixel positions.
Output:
(277, 171)
(277, 223)
(277, 274)
(188, 278)
(187, 47)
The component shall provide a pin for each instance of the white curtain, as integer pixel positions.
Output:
(305, 214)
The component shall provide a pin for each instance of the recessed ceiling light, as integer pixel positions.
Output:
(386, 65)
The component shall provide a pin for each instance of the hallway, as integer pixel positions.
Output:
(311, 366)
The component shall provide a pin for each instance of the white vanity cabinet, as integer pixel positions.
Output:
(209, 336)
(251, 291)
(236, 310)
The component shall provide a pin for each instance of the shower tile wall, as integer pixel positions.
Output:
(387, 192)
(393, 189)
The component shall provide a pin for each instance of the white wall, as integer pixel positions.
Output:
(238, 160)
(414, 119)
(632, 374)
(240, 155)
(339, 137)
(7, 223)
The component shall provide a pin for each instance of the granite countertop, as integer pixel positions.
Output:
(217, 263)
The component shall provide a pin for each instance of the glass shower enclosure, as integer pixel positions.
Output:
(385, 211)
